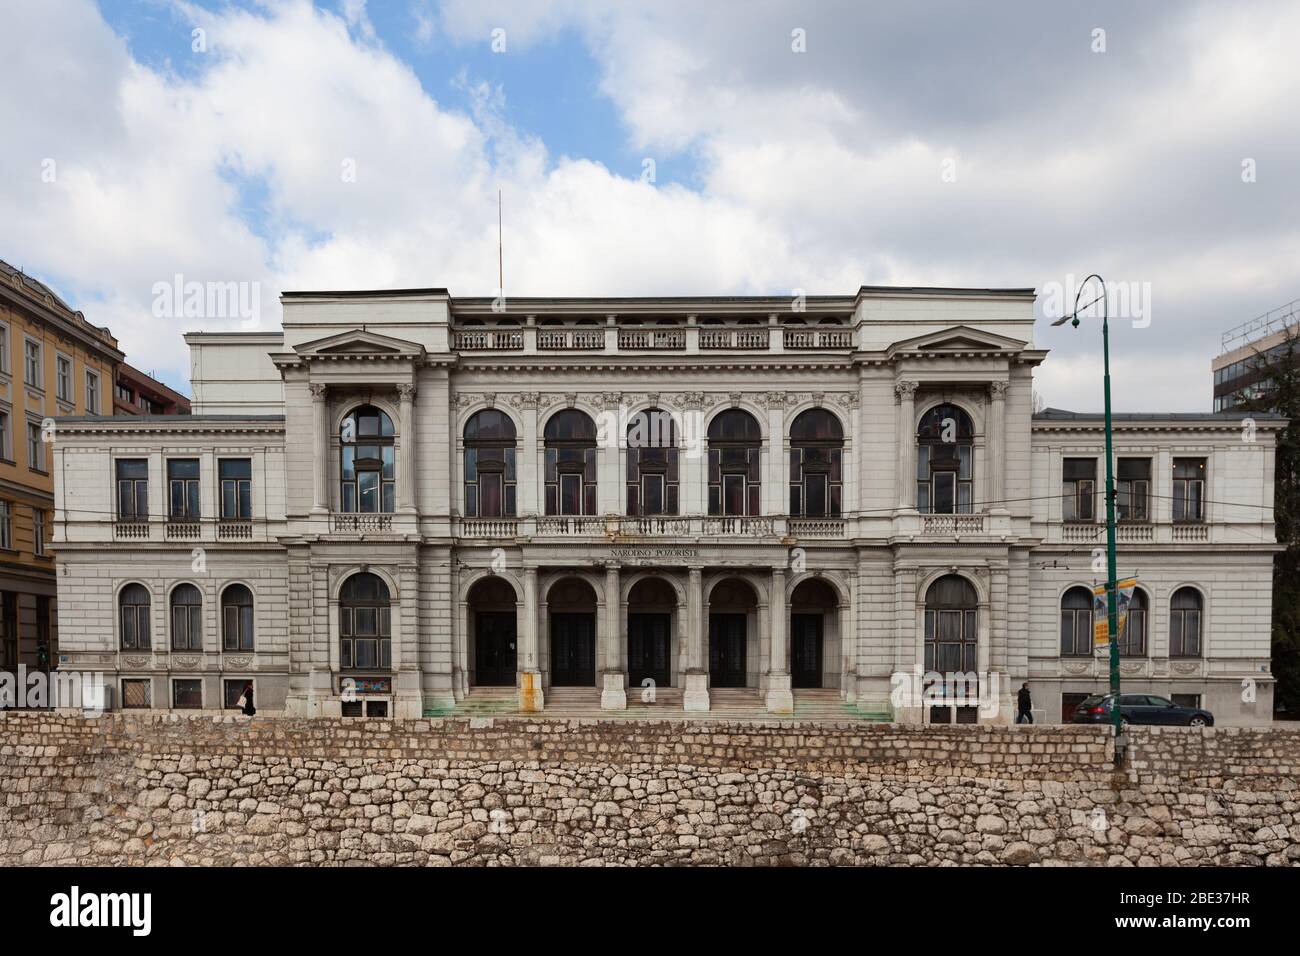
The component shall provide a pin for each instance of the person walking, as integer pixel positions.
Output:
(245, 701)
(1025, 702)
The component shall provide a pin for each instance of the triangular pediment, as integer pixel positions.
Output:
(360, 342)
(959, 338)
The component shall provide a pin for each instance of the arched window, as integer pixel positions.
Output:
(187, 618)
(570, 438)
(367, 461)
(652, 463)
(1076, 623)
(365, 626)
(237, 618)
(945, 461)
(951, 633)
(1185, 623)
(816, 447)
(1133, 639)
(735, 464)
(490, 465)
(134, 608)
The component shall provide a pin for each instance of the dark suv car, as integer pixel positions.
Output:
(1140, 709)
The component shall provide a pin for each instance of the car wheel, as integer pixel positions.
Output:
(1197, 721)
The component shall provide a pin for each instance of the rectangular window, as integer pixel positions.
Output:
(6, 438)
(136, 695)
(32, 365)
(1076, 632)
(1185, 633)
(1189, 489)
(132, 489)
(1186, 700)
(1133, 490)
(35, 447)
(92, 393)
(6, 527)
(232, 691)
(183, 489)
(63, 378)
(38, 531)
(236, 475)
(1078, 486)
(4, 348)
(187, 694)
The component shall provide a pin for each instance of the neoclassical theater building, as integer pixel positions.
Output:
(405, 501)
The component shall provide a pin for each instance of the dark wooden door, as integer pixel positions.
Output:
(494, 648)
(806, 650)
(727, 650)
(573, 650)
(647, 649)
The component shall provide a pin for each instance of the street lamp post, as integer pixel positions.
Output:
(1112, 614)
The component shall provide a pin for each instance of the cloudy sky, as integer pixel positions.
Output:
(667, 147)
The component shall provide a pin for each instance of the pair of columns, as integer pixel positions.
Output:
(322, 470)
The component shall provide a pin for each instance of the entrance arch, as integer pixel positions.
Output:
(493, 650)
(651, 606)
(814, 635)
(733, 612)
(571, 612)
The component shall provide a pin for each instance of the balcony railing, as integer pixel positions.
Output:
(234, 529)
(738, 526)
(342, 523)
(652, 339)
(127, 528)
(655, 526)
(686, 338)
(739, 339)
(1191, 532)
(818, 338)
(489, 527)
(182, 530)
(571, 526)
(952, 525)
(815, 527)
(502, 340)
(575, 340)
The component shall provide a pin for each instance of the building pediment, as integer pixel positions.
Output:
(958, 339)
(359, 343)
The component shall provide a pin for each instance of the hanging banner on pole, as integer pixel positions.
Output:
(1100, 614)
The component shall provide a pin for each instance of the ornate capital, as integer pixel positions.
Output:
(998, 390)
(406, 392)
(905, 390)
(610, 400)
(691, 400)
(526, 399)
(318, 390)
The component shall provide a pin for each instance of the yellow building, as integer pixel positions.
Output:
(52, 362)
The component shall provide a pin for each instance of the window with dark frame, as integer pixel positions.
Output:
(183, 489)
(236, 478)
(1133, 490)
(237, 618)
(136, 693)
(951, 628)
(368, 462)
(187, 694)
(816, 458)
(735, 464)
(365, 631)
(6, 526)
(1189, 489)
(652, 466)
(63, 378)
(232, 691)
(1076, 623)
(945, 461)
(132, 489)
(134, 603)
(38, 532)
(32, 365)
(187, 618)
(1078, 489)
(35, 447)
(570, 463)
(489, 461)
(1133, 638)
(1185, 609)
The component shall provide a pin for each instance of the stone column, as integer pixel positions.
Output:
(906, 392)
(779, 698)
(613, 695)
(996, 448)
(320, 450)
(696, 694)
(530, 677)
(406, 460)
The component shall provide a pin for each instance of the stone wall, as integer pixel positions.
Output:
(139, 789)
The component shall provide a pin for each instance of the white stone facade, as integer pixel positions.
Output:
(777, 606)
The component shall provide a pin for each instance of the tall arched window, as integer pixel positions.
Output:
(951, 633)
(1076, 623)
(735, 464)
(365, 625)
(187, 618)
(1185, 623)
(1133, 639)
(367, 461)
(237, 618)
(945, 461)
(816, 447)
(570, 438)
(133, 603)
(652, 463)
(490, 465)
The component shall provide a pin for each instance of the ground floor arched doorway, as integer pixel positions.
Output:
(813, 607)
(732, 607)
(493, 630)
(650, 607)
(572, 610)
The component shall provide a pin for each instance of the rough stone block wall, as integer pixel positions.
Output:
(159, 789)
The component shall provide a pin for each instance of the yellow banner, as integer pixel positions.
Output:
(1100, 613)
